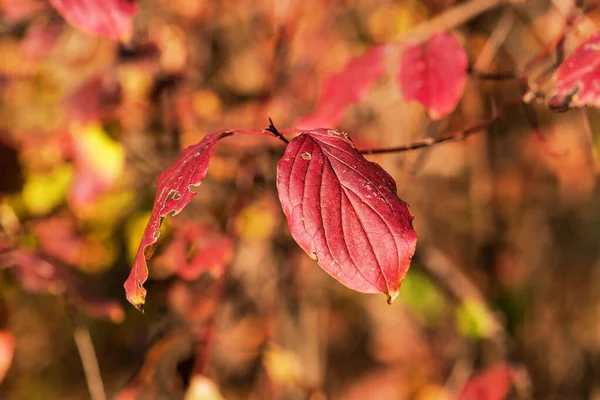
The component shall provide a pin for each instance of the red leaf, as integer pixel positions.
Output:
(173, 194)
(345, 88)
(211, 251)
(110, 18)
(434, 74)
(577, 77)
(492, 384)
(344, 211)
(58, 237)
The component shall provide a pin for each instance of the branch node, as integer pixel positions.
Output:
(271, 128)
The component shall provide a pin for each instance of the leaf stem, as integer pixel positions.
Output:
(455, 137)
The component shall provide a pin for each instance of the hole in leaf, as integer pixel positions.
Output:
(173, 195)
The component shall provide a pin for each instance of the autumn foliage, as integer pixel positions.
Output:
(255, 176)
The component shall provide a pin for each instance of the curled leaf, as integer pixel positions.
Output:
(110, 18)
(174, 192)
(434, 73)
(577, 77)
(344, 211)
(345, 88)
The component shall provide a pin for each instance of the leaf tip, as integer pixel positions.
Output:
(140, 307)
(136, 297)
(391, 296)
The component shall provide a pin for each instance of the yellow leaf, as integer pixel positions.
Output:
(473, 320)
(282, 365)
(256, 221)
(100, 151)
(43, 192)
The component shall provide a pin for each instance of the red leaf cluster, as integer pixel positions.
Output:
(344, 212)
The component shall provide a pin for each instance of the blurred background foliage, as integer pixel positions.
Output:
(501, 297)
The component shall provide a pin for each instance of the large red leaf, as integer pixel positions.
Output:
(344, 211)
(345, 88)
(578, 77)
(434, 74)
(174, 192)
(110, 18)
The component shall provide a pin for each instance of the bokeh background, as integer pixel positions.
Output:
(502, 294)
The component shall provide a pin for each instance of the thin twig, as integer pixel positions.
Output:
(87, 354)
(455, 137)
(91, 369)
(557, 43)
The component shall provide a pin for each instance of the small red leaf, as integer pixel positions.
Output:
(110, 18)
(492, 384)
(196, 249)
(434, 74)
(345, 88)
(577, 77)
(174, 192)
(344, 211)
